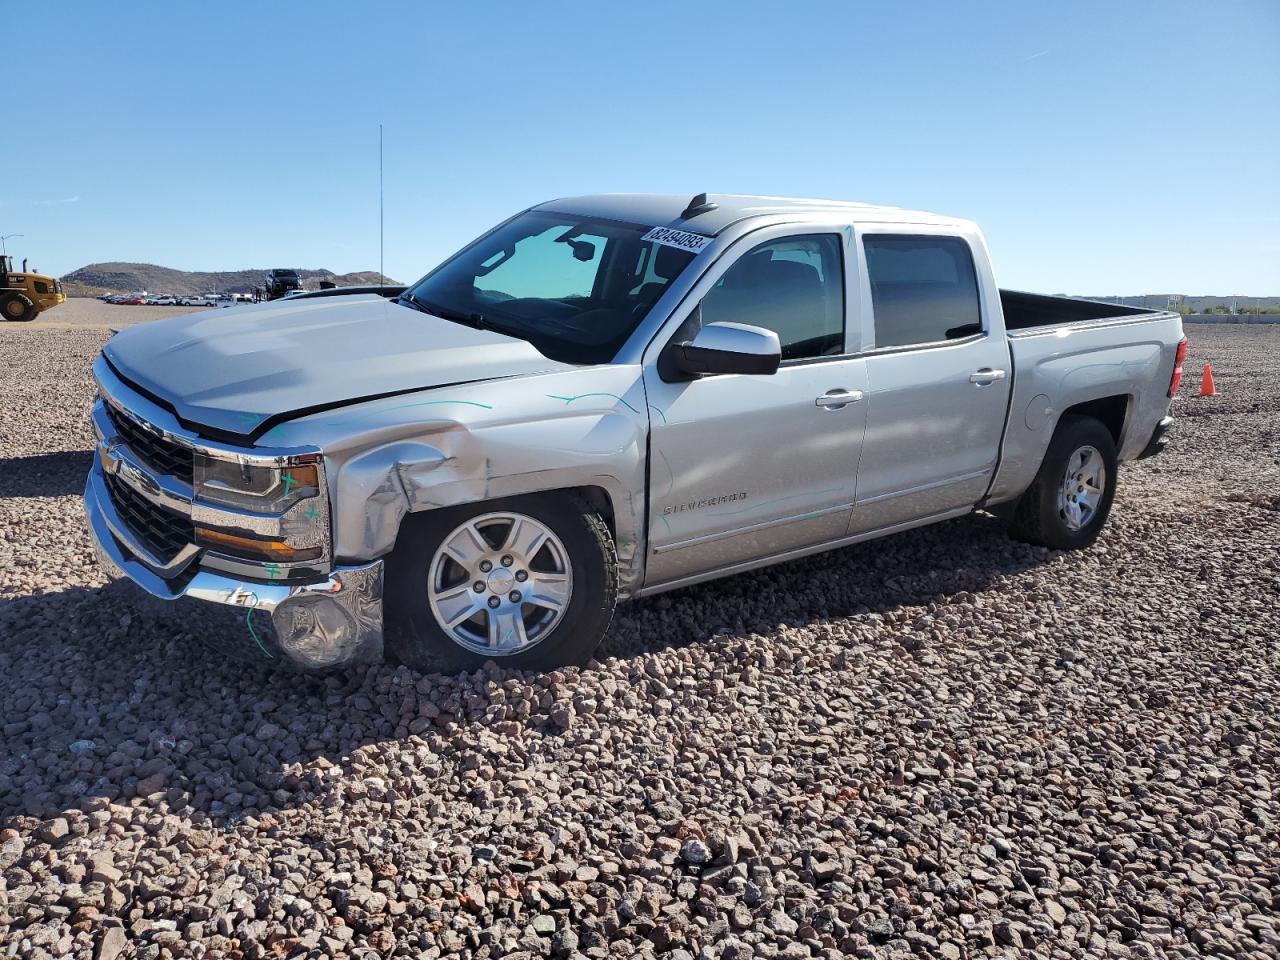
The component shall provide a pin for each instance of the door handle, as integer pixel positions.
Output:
(986, 375)
(835, 399)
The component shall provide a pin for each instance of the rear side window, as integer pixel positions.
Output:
(794, 287)
(923, 289)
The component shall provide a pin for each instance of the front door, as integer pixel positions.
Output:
(745, 467)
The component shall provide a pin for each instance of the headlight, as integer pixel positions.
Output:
(276, 523)
(250, 486)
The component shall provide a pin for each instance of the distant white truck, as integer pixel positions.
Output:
(607, 397)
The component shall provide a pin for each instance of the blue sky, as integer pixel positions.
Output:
(1104, 147)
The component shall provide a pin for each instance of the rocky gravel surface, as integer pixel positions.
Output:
(944, 744)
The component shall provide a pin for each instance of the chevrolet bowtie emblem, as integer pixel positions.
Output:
(110, 458)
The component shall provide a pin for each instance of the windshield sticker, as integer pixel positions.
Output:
(680, 239)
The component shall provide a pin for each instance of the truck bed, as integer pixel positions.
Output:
(1022, 311)
(1071, 352)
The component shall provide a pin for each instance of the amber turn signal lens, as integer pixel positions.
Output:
(303, 476)
(254, 548)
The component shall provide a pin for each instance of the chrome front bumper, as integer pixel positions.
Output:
(327, 624)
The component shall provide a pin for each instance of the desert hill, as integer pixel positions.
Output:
(99, 278)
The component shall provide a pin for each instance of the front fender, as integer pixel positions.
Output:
(527, 435)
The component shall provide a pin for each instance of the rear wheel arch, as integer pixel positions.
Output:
(1112, 412)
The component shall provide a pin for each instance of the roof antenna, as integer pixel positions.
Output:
(698, 205)
(382, 276)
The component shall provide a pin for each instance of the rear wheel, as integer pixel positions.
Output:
(1068, 503)
(528, 582)
(17, 306)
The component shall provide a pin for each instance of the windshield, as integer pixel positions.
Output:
(573, 286)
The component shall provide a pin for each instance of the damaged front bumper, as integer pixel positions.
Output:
(315, 625)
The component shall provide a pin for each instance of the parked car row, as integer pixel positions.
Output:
(142, 298)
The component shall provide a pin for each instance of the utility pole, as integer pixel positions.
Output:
(7, 236)
(381, 228)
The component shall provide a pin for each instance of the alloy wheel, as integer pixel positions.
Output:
(500, 583)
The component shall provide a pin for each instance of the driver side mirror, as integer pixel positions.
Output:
(727, 348)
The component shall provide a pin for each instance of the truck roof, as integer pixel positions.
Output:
(669, 208)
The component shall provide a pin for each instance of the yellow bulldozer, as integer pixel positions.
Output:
(23, 294)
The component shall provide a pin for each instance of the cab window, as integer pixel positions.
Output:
(923, 289)
(794, 287)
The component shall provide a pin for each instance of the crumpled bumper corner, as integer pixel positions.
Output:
(315, 626)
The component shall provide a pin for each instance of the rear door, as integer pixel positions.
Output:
(938, 377)
(748, 467)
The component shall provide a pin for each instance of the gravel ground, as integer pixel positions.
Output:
(944, 744)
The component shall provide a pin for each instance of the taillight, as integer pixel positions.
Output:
(1176, 380)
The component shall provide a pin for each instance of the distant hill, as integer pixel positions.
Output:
(100, 278)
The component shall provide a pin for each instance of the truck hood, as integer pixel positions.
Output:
(238, 371)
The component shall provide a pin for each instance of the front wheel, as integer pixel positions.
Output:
(527, 582)
(1067, 504)
(17, 306)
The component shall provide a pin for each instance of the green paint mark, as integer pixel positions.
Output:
(248, 619)
(312, 513)
(569, 400)
(403, 406)
(767, 503)
(671, 474)
(660, 412)
(289, 482)
(423, 403)
(249, 418)
(433, 403)
(665, 522)
(273, 570)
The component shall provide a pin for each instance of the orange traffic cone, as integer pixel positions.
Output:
(1206, 383)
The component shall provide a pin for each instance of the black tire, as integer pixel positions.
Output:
(1037, 517)
(17, 307)
(415, 638)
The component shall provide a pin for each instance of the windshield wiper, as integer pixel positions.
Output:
(410, 300)
(471, 319)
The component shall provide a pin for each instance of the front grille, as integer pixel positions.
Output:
(163, 532)
(160, 454)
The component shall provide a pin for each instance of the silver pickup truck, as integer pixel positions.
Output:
(602, 398)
